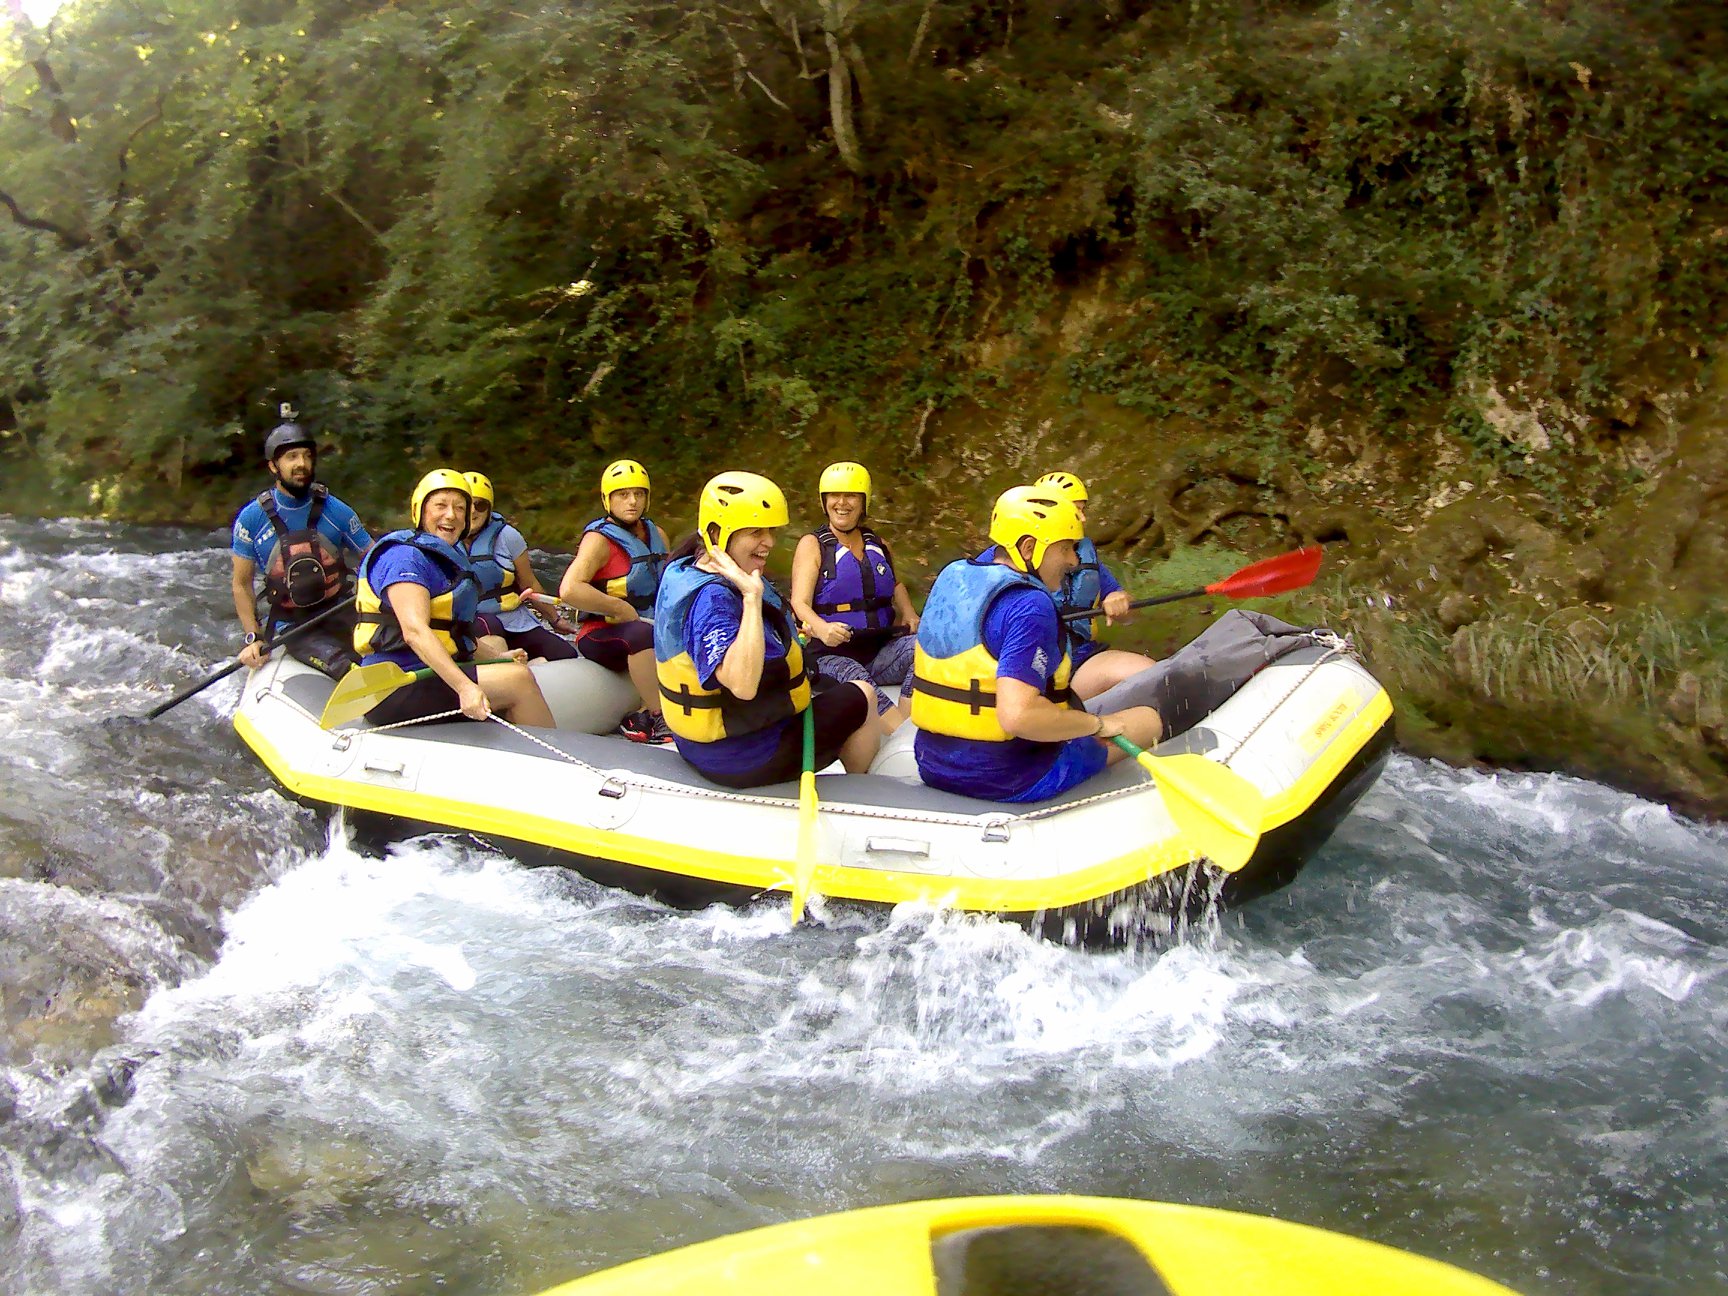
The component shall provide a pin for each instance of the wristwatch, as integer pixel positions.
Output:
(250, 639)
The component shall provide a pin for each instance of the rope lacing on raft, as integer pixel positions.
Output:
(994, 823)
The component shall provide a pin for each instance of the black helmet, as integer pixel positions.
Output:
(287, 435)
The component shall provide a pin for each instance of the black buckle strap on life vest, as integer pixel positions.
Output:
(973, 697)
(383, 618)
(872, 602)
(688, 702)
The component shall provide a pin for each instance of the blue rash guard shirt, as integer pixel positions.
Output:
(1022, 634)
(406, 564)
(711, 628)
(254, 535)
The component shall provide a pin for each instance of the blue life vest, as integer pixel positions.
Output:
(497, 578)
(641, 584)
(452, 613)
(853, 593)
(708, 714)
(954, 671)
(1082, 589)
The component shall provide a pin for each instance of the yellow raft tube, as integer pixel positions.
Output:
(1035, 1246)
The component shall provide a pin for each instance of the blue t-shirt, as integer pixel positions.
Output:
(1023, 635)
(254, 535)
(710, 630)
(404, 563)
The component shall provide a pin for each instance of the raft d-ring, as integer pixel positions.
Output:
(996, 830)
(343, 740)
(613, 789)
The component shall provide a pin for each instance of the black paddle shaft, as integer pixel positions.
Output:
(236, 664)
(1086, 614)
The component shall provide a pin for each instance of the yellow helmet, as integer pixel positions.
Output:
(733, 501)
(436, 480)
(1071, 487)
(621, 474)
(480, 487)
(845, 476)
(1035, 511)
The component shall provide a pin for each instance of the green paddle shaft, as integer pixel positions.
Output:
(804, 864)
(426, 672)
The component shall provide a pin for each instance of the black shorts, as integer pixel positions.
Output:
(612, 646)
(540, 642)
(839, 711)
(424, 697)
(326, 647)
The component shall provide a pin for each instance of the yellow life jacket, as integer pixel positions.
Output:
(452, 613)
(710, 714)
(954, 673)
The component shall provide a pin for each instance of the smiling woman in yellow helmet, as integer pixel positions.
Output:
(858, 615)
(731, 670)
(613, 581)
(992, 703)
(1090, 585)
(507, 581)
(416, 604)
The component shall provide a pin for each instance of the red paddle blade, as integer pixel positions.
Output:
(1271, 575)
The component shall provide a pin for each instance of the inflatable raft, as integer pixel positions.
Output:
(1308, 730)
(1014, 1246)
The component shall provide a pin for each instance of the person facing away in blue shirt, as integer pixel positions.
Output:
(1091, 587)
(992, 700)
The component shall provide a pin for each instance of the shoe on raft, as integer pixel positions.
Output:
(645, 727)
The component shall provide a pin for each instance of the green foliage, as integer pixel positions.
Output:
(529, 235)
(1631, 663)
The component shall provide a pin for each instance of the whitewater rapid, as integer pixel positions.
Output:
(1487, 1023)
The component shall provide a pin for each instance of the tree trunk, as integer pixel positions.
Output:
(836, 25)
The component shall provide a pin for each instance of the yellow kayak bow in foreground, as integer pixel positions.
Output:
(993, 1246)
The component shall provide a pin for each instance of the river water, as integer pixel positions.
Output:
(1487, 1023)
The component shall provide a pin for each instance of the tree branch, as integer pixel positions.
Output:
(122, 162)
(59, 116)
(70, 241)
(743, 66)
(918, 36)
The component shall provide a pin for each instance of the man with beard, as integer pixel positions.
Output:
(301, 537)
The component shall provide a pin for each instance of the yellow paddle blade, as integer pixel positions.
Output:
(1217, 811)
(361, 689)
(804, 867)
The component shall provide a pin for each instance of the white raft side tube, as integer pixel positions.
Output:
(584, 696)
(996, 843)
(524, 796)
(995, 857)
(637, 818)
(1285, 720)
